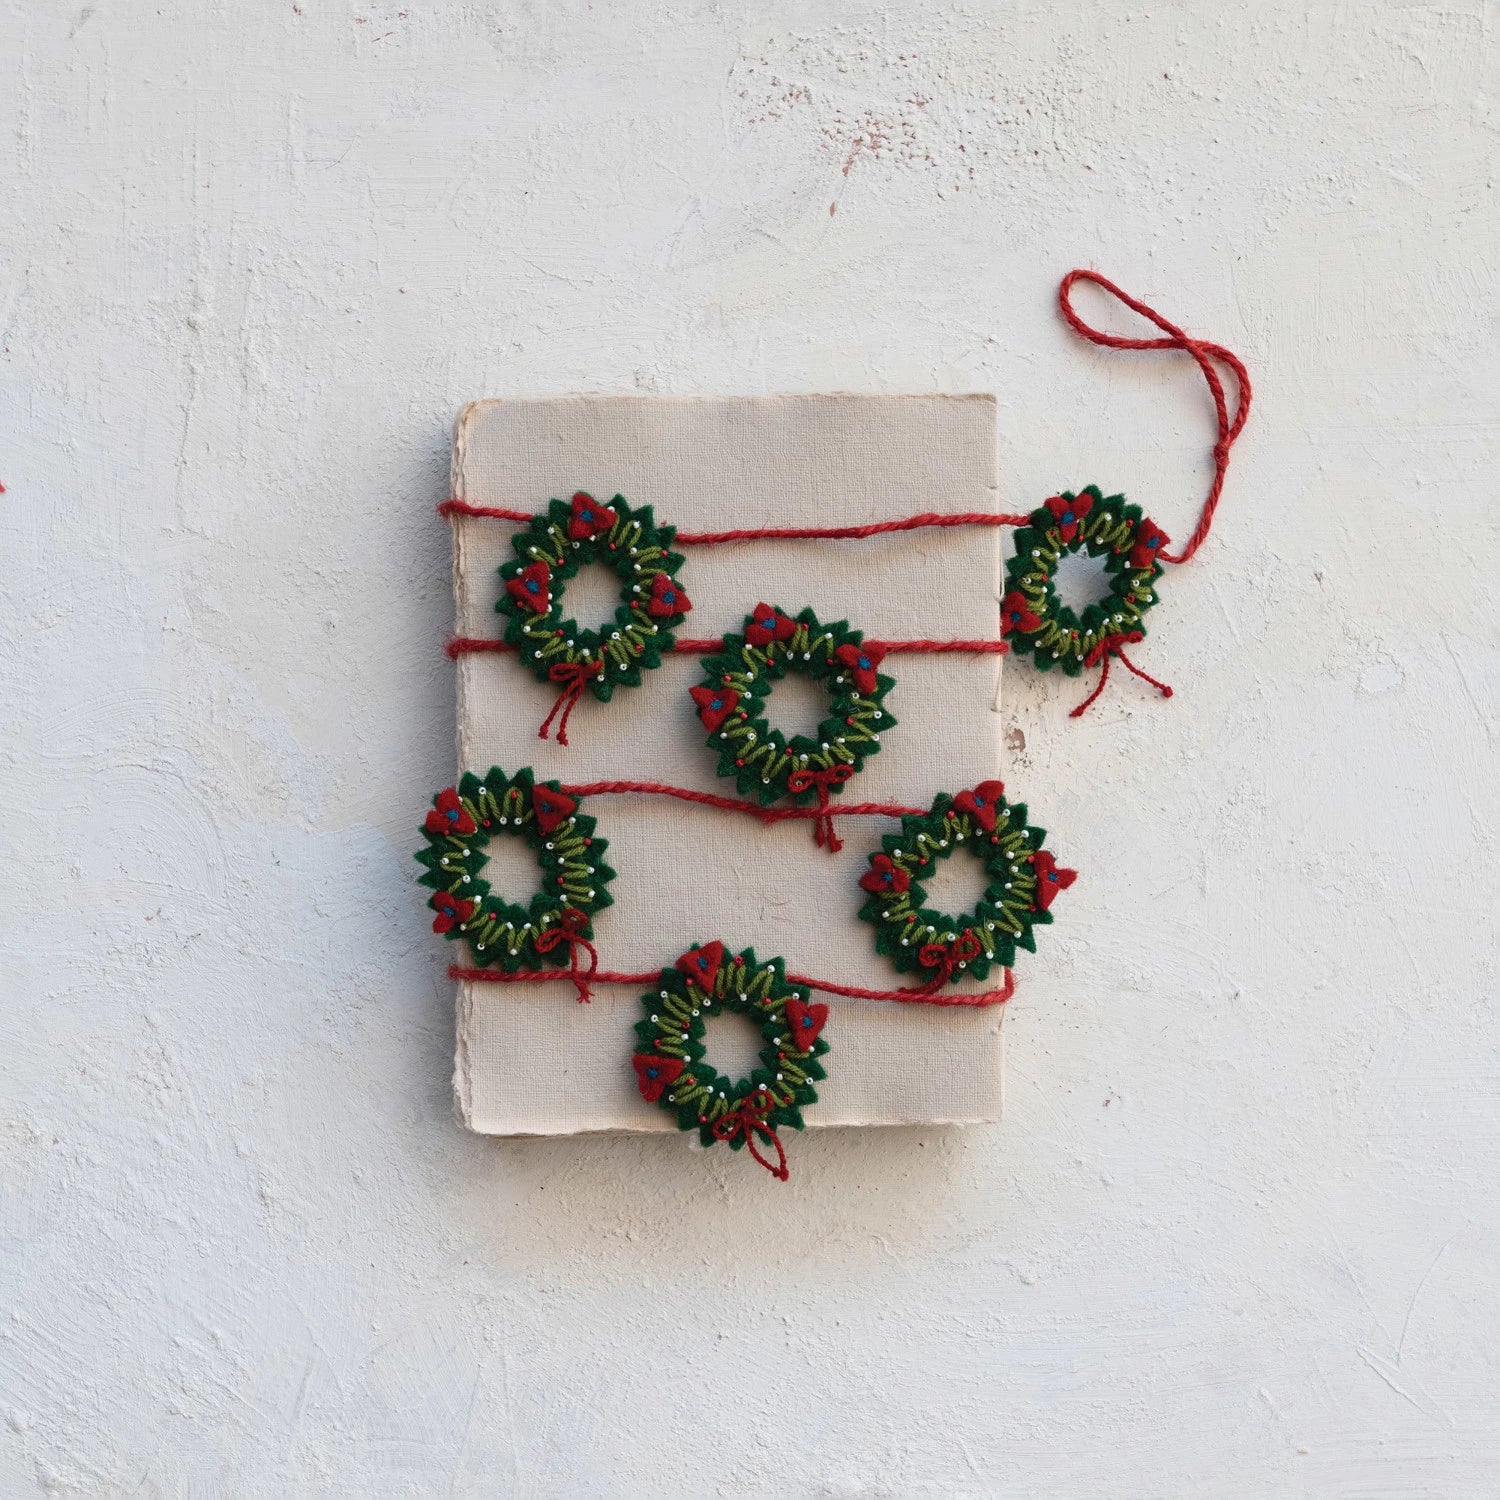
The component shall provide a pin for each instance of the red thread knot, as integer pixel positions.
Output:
(805, 780)
(746, 1121)
(944, 958)
(575, 677)
(1108, 648)
(569, 930)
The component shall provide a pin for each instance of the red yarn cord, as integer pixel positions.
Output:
(467, 645)
(1204, 354)
(734, 804)
(919, 995)
(770, 533)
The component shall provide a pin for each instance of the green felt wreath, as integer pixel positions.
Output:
(669, 1063)
(738, 680)
(1032, 616)
(549, 551)
(1023, 879)
(504, 934)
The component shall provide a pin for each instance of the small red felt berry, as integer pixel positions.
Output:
(532, 586)
(587, 518)
(653, 1074)
(668, 598)
(1149, 540)
(551, 807)
(884, 877)
(1069, 513)
(982, 803)
(450, 911)
(767, 625)
(449, 817)
(1016, 614)
(714, 705)
(806, 1022)
(1049, 878)
(701, 965)
(861, 662)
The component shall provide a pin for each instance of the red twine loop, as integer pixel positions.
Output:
(1112, 646)
(747, 1120)
(803, 780)
(575, 676)
(946, 957)
(569, 930)
(1204, 354)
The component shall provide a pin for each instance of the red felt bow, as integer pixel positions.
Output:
(946, 957)
(575, 677)
(1050, 877)
(587, 518)
(702, 965)
(982, 803)
(532, 586)
(1112, 646)
(1017, 614)
(451, 910)
(653, 1074)
(884, 877)
(449, 816)
(714, 705)
(1069, 514)
(805, 780)
(767, 625)
(668, 598)
(551, 807)
(1149, 540)
(569, 930)
(747, 1120)
(861, 662)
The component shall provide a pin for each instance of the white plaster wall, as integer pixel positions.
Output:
(1238, 1234)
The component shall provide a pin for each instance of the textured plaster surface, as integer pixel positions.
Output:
(1237, 1235)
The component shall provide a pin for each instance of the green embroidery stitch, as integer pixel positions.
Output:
(574, 878)
(1035, 620)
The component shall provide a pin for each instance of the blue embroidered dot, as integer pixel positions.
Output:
(864, 662)
(1154, 542)
(718, 703)
(532, 586)
(1067, 518)
(452, 815)
(653, 1072)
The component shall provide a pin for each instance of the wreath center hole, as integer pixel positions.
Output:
(796, 705)
(1080, 580)
(954, 885)
(592, 595)
(510, 868)
(732, 1043)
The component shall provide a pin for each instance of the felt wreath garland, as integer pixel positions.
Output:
(1023, 879)
(763, 762)
(549, 551)
(669, 1064)
(1032, 616)
(503, 934)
